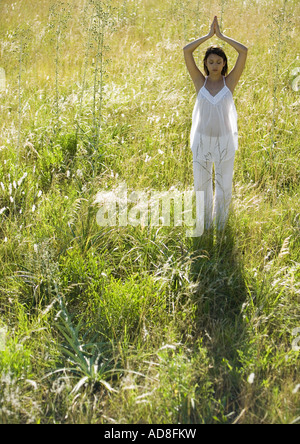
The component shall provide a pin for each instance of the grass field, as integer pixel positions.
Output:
(143, 324)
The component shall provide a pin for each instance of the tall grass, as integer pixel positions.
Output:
(282, 24)
(22, 37)
(59, 15)
(142, 324)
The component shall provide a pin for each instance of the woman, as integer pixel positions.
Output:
(214, 133)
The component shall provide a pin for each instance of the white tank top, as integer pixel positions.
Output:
(214, 122)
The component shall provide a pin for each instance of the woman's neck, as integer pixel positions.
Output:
(213, 78)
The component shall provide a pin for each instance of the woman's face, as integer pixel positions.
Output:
(215, 64)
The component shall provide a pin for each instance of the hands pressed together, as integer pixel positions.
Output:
(215, 28)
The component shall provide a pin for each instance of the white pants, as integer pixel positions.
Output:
(217, 208)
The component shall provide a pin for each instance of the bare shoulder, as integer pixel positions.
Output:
(230, 82)
(199, 83)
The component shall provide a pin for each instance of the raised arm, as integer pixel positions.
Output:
(195, 73)
(235, 74)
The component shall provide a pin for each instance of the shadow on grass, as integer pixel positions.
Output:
(217, 270)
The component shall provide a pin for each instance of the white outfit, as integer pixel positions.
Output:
(214, 139)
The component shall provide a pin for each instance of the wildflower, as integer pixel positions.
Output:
(296, 389)
(22, 178)
(251, 378)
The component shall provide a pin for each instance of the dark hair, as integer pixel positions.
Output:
(218, 51)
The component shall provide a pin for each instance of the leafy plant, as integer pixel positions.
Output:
(86, 361)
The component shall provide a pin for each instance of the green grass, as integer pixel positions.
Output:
(143, 324)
